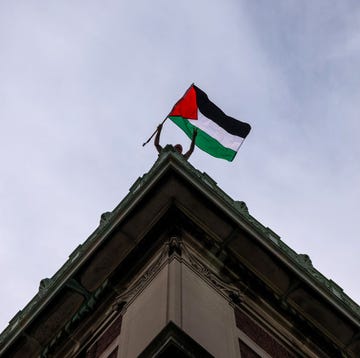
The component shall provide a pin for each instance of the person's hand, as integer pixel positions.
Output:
(159, 127)
(195, 132)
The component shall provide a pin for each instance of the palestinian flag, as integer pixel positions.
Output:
(218, 134)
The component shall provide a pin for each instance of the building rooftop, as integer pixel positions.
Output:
(283, 258)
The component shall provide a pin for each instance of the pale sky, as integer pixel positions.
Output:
(84, 83)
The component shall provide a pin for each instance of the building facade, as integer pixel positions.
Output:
(179, 269)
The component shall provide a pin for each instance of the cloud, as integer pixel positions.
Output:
(83, 85)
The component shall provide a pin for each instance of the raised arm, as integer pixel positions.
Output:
(157, 138)
(189, 152)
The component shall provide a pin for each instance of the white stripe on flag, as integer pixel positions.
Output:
(221, 135)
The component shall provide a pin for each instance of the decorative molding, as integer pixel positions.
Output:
(230, 291)
(131, 292)
(305, 260)
(78, 287)
(175, 247)
(44, 285)
(105, 217)
(293, 286)
(241, 205)
(86, 308)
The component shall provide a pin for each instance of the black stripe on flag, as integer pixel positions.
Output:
(213, 112)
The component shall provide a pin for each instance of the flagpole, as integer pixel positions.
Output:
(166, 117)
(155, 132)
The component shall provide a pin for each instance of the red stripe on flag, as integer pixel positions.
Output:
(186, 107)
